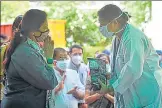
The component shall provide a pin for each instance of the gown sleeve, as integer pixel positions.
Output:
(133, 68)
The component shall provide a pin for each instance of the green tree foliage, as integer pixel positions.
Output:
(80, 25)
(139, 10)
(11, 9)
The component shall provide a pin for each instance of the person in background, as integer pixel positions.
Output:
(107, 52)
(28, 75)
(76, 63)
(69, 89)
(97, 99)
(97, 53)
(135, 75)
(159, 52)
(3, 47)
(3, 39)
(5, 42)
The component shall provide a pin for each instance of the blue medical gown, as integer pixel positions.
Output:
(136, 75)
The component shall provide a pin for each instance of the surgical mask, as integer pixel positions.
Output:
(77, 59)
(106, 32)
(62, 64)
(108, 68)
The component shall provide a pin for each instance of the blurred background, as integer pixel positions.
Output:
(74, 22)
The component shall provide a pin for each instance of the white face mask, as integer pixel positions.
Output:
(76, 59)
(108, 68)
(62, 65)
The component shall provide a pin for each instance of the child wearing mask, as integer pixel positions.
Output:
(96, 99)
(69, 89)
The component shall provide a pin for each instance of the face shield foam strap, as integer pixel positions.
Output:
(119, 16)
(126, 13)
(116, 20)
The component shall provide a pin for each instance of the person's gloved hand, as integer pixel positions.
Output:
(104, 88)
(48, 47)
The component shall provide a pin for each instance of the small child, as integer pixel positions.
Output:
(69, 90)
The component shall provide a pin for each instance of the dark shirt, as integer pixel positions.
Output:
(28, 78)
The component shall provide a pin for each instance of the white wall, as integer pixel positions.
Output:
(154, 29)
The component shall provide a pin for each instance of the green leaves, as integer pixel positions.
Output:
(139, 10)
(11, 9)
(80, 24)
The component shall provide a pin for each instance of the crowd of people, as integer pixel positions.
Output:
(34, 74)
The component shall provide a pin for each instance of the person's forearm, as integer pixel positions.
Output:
(94, 92)
(109, 97)
(56, 90)
(91, 99)
(79, 95)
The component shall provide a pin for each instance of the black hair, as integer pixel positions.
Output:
(102, 54)
(31, 21)
(110, 12)
(15, 41)
(75, 46)
(57, 50)
(16, 26)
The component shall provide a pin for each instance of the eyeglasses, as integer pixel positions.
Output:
(39, 33)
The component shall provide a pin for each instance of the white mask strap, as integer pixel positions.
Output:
(115, 18)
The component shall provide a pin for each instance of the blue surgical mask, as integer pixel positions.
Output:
(106, 32)
(62, 64)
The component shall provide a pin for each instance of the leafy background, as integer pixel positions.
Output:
(81, 25)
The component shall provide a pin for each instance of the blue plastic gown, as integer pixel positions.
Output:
(136, 76)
